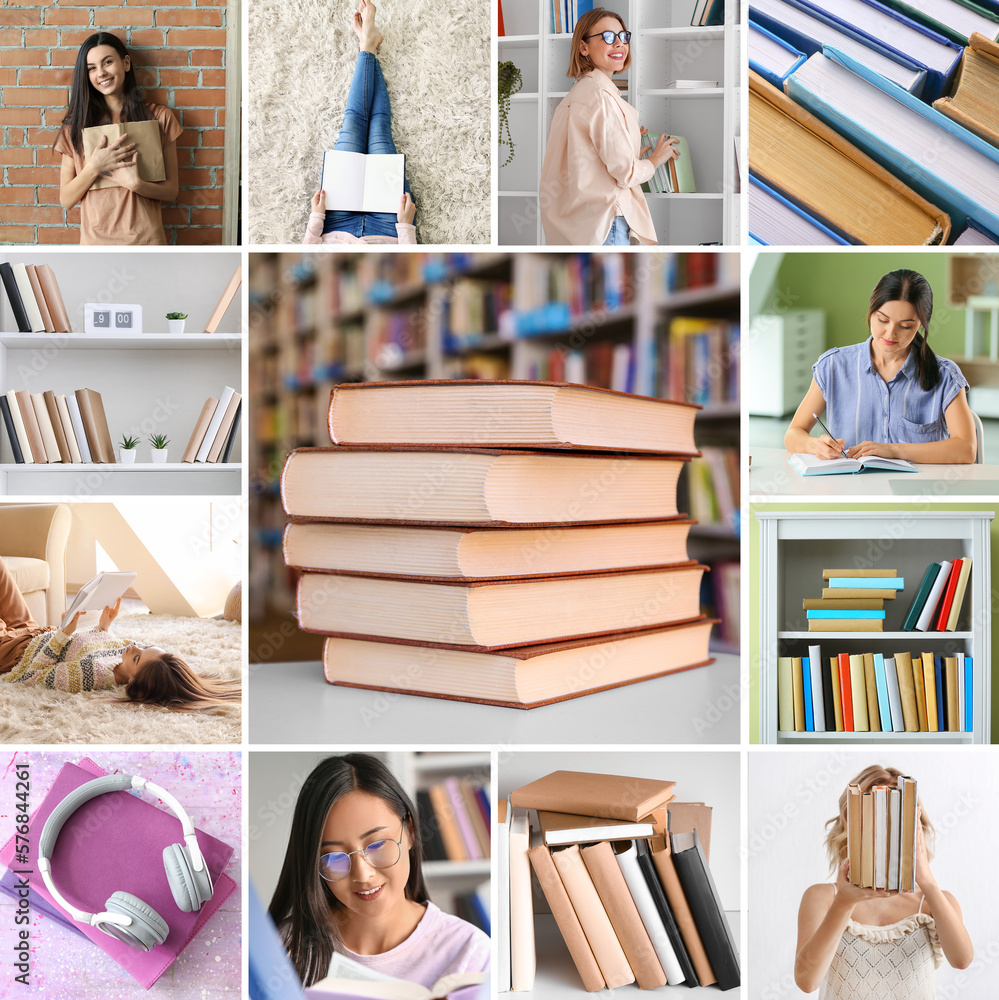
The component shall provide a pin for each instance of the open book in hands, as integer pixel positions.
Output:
(363, 182)
(93, 597)
(810, 465)
(350, 979)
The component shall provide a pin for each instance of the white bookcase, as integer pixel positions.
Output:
(664, 47)
(794, 547)
(153, 382)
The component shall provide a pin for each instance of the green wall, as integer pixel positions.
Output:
(754, 599)
(841, 284)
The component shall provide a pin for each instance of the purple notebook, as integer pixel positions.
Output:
(88, 866)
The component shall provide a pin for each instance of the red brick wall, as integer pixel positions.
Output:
(178, 51)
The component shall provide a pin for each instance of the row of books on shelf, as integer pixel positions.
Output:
(473, 906)
(720, 600)
(846, 96)
(43, 427)
(454, 819)
(713, 487)
(334, 354)
(565, 14)
(213, 435)
(601, 363)
(457, 527)
(881, 830)
(473, 309)
(872, 692)
(699, 361)
(624, 869)
(35, 299)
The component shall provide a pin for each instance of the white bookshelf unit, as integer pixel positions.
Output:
(664, 47)
(794, 547)
(154, 382)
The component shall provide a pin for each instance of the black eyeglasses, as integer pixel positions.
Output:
(609, 36)
(380, 854)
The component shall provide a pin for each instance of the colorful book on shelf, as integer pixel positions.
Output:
(806, 694)
(840, 604)
(962, 588)
(676, 175)
(939, 621)
(811, 465)
(858, 692)
(881, 683)
(907, 692)
(857, 581)
(846, 691)
(871, 688)
(32, 430)
(708, 13)
(858, 593)
(969, 686)
(974, 101)
(53, 299)
(938, 674)
(894, 128)
(508, 415)
(918, 602)
(936, 590)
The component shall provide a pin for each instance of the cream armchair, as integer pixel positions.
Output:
(33, 540)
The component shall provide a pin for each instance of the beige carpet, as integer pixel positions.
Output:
(435, 59)
(31, 715)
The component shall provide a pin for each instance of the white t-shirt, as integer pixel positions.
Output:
(440, 945)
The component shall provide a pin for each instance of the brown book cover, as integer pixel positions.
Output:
(810, 162)
(907, 854)
(36, 287)
(663, 860)
(83, 398)
(148, 144)
(613, 891)
(870, 678)
(45, 427)
(845, 625)
(962, 586)
(920, 688)
(505, 413)
(224, 427)
(858, 694)
(798, 694)
(566, 919)
(837, 695)
(834, 604)
(930, 690)
(53, 299)
(867, 840)
(67, 428)
(907, 690)
(974, 101)
(847, 593)
(685, 817)
(854, 822)
(954, 722)
(828, 574)
(57, 429)
(207, 412)
(447, 824)
(520, 677)
(586, 793)
(31, 427)
(228, 292)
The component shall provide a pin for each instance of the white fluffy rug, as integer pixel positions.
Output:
(435, 59)
(31, 715)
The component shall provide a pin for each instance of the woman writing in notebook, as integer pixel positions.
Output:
(890, 396)
(855, 941)
(367, 128)
(592, 176)
(66, 660)
(105, 92)
(351, 882)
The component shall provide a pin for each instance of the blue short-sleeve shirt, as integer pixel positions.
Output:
(861, 406)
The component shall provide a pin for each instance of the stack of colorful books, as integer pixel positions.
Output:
(511, 543)
(852, 600)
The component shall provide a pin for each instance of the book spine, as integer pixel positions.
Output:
(871, 684)
(858, 692)
(916, 608)
(930, 687)
(14, 298)
(846, 692)
(907, 691)
(523, 956)
(806, 686)
(962, 585)
(940, 620)
(933, 598)
(76, 416)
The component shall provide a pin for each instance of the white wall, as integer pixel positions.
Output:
(709, 777)
(791, 795)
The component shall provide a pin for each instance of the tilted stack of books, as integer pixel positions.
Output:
(852, 600)
(625, 871)
(881, 835)
(510, 543)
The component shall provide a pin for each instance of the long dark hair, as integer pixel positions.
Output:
(170, 682)
(87, 106)
(303, 904)
(904, 285)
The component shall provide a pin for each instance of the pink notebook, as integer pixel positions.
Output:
(88, 865)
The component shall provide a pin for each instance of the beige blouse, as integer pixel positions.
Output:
(592, 169)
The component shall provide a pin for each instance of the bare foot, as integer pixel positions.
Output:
(364, 25)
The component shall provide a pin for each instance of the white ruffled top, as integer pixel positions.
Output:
(891, 962)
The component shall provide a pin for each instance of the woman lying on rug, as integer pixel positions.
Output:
(71, 661)
(367, 128)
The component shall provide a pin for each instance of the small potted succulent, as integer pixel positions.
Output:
(158, 448)
(126, 449)
(175, 322)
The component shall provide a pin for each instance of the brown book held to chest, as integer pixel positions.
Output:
(148, 144)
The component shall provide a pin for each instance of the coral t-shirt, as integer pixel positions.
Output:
(115, 216)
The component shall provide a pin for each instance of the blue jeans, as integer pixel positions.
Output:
(619, 235)
(367, 128)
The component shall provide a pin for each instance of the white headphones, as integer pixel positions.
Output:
(127, 917)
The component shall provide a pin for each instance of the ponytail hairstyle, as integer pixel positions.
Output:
(303, 904)
(908, 286)
(87, 106)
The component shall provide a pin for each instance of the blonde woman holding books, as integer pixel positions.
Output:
(889, 396)
(592, 176)
(104, 92)
(883, 945)
(351, 882)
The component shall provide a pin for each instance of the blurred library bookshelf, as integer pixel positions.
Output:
(655, 324)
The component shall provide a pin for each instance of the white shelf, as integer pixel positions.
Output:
(456, 869)
(123, 341)
(844, 737)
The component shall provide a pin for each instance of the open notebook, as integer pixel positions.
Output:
(809, 465)
(363, 182)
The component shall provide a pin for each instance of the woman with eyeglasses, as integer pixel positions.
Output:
(351, 882)
(592, 176)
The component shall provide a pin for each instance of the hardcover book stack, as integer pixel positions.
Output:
(509, 543)
(852, 600)
(881, 835)
(625, 871)
(843, 96)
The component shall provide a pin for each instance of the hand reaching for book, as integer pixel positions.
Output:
(407, 209)
(664, 150)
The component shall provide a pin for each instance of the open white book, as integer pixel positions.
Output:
(350, 979)
(93, 597)
(810, 465)
(363, 182)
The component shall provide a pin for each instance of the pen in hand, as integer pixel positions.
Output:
(826, 429)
